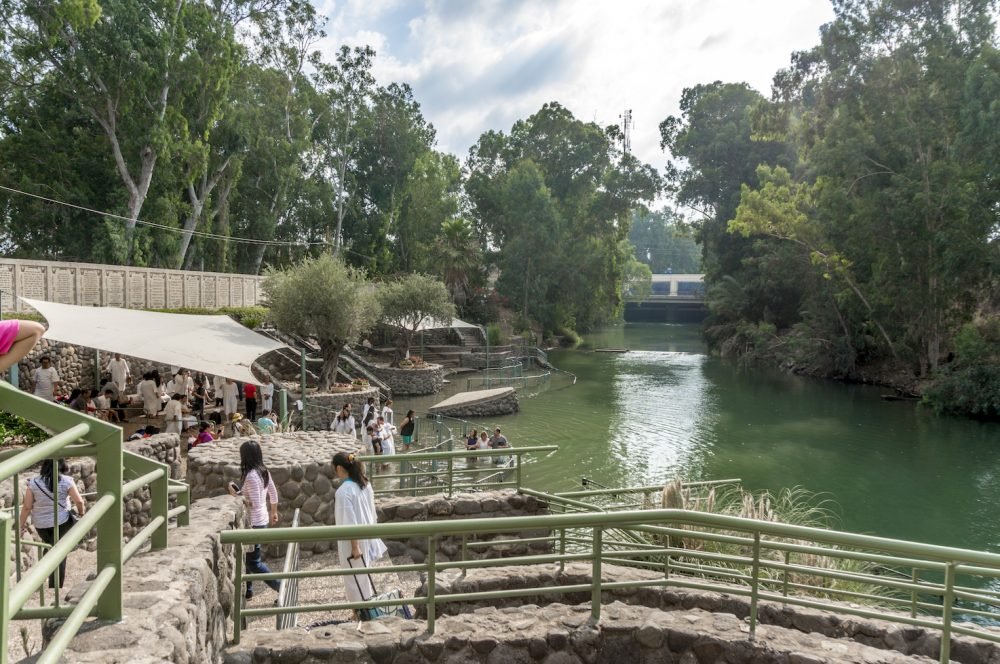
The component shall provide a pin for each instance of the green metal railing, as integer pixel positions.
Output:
(449, 472)
(785, 551)
(79, 435)
(537, 381)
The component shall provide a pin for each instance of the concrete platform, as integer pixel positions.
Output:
(478, 403)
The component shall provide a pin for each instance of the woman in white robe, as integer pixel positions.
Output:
(355, 505)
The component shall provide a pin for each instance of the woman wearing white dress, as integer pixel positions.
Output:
(230, 398)
(173, 414)
(387, 412)
(355, 505)
(150, 395)
(267, 394)
(344, 423)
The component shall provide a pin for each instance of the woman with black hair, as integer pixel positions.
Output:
(355, 505)
(41, 493)
(258, 491)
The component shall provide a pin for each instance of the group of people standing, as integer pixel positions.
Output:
(377, 434)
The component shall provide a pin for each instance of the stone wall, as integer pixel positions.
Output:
(478, 360)
(555, 634)
(176, 601)
(90, 284)
(501, 401)
(321, 408)
(484, 505)
(164, 448)
(428, 379)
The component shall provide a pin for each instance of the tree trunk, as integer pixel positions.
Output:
(341, 186)
(331, 359)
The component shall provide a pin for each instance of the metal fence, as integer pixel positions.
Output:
(79, 435)
(538, 381)
(762, 560)
(288, 590)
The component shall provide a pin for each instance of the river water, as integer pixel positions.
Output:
(668, 409)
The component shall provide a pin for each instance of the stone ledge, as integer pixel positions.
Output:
(879, 634)
(478, 403)
(555, 634)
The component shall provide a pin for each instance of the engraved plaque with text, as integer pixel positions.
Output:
(7, 302)
(248, 292)
(192, 290)
(137, 290)
(208, 292)
(235, 293)
(62, 287)
(157, 290)
(89, 287)
(175, 291)
(222, 291)
(114, 288)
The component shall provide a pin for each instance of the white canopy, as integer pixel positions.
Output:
(435, 324)
(215, 345)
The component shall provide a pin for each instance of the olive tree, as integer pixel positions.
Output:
(408, 301)
(324, 299)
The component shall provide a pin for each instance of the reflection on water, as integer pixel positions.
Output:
(666, 408)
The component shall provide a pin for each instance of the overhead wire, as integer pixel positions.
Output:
(173, 229)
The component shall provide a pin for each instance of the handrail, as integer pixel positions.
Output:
(676, 563)
(102, 441)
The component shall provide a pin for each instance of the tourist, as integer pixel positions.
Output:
(369, 440)
(103, 403)
(149, 394)
(199, 396)
(354, 505)
(91, 405)
(204, 434)
(116, 398)
(385, 434)
(499, 441)
(230, 398)
(42, 495)
(387, 412)
(344, 422)
(406, 430)
(267, 393)
(173, 414)
(250, 395)
(484, 440)
(473, 439)
(77, 400)
(217, 389)
(120, 373)
(265, 424)
(184, 382)
(258, 491)
(46, 380)
(189, 436)
(17, 338)
(368, 411)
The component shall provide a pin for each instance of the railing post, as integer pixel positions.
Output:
(431, 582)
(184, 498)
(517, 472)
(595, 576)
(17, 534)
(465, 551)
(914, 577)
(754, 578)
(784, 582)
(949, 599)
(237, 593)
(562, 549)
(5, 524)
(108, 461)
(55, 528)
(451, 476)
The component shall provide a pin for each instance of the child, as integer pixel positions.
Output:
(17, 338)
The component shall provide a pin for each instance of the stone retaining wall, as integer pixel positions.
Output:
(484, 505)
(176, 601)
(164, 448)
(502, 405)
(428, 379)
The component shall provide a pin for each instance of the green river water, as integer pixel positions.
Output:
(666, 408)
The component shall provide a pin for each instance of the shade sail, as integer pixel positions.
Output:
(435, 324)
(215, 345)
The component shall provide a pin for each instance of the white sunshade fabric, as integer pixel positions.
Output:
(215, 345)
(435, 324)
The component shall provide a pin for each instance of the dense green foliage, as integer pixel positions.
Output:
(850, 223)
(970, 385)
(17, 431)
(410, 301)
(663, 243)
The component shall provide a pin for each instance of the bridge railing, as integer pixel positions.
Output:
(78, 435)
(763, 561)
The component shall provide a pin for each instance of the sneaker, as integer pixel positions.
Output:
(249, 594)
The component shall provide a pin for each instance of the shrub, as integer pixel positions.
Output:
(251, 317)
(494, 334)
(17, 431)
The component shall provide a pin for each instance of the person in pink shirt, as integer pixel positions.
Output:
(17, 338)
(258, 491)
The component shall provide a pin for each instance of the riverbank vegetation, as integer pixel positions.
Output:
(849, 222)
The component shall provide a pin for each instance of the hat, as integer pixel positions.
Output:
(235, 417)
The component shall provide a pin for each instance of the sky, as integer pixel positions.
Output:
(476, 65)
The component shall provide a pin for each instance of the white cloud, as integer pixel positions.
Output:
(476, 66)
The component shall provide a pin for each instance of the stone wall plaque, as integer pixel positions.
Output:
(208, 292)
(175, 291)
(62, 285)
(222, 291)
(235, 293)
(32, 282)
(136, 290)
(157, 288)
(249, 295)
(88, 287)
(192, 290)
(114, 288)
(7, 301)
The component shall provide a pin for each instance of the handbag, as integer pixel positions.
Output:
(72, 518)
(374, 613)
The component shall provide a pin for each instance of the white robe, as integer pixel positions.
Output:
(150, 397)
(267, 396)
(356, 506)
(119, 372)
(230, 399)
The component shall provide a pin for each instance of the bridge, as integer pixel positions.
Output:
(675, 298)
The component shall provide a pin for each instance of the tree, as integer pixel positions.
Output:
(663, 243)
(457, 257)
(324, 299)
(410, 300)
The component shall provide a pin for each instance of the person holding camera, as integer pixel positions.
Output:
(258, 491)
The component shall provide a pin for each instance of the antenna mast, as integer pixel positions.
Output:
(626, 119)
